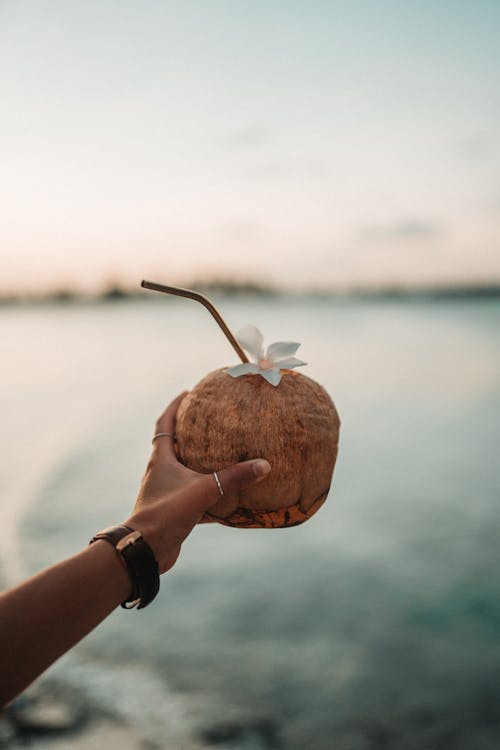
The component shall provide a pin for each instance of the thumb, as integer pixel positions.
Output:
(232, 480)
(240, 476)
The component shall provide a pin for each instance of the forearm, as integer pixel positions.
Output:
(45, 616)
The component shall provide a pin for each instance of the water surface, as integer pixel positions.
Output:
(377, 623)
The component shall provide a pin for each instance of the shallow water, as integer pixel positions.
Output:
(377, 623)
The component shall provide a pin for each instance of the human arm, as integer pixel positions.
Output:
(46, 615)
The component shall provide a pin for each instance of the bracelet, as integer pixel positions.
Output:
(139, 561)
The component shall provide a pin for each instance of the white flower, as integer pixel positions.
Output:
(267, 362)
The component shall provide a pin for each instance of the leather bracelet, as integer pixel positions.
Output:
(137, 557)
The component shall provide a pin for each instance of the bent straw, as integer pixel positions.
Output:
(190, 294)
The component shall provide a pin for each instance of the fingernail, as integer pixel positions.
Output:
(261, 467)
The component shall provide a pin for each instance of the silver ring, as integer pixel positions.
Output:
(219, 485)
(164, 434)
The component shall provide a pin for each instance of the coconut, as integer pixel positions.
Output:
(295, 426)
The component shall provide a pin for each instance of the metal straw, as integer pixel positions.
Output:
(190, 294)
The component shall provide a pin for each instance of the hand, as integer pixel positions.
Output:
(172, 498)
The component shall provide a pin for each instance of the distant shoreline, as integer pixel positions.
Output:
(117, 293)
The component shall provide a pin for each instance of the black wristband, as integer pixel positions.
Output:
(139, 560)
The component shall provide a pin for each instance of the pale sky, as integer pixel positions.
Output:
(300, 142)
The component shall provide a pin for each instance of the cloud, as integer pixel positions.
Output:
(242, 231)
(247, 138)
(479, 145)
(278, 170)
(410, 229)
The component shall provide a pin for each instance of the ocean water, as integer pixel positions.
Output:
(374, 625)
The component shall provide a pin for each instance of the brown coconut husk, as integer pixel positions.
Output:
(294, 425)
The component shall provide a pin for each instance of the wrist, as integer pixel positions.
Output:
(113, 570)
(162, 539)
(138, 562)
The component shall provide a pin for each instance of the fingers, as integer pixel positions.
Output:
(164, 446)
(232, 480)
(166, 422)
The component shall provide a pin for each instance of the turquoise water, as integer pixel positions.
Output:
(377, 623)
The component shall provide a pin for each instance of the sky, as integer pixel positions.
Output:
(306, 143)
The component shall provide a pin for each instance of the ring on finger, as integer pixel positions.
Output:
(219, 485)
(164, 434)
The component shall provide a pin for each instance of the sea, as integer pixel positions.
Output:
(376, 624)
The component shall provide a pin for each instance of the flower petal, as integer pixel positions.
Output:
(246, 368)
(272, 376)
(251, 340)
(281, 349)
(289, 362)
